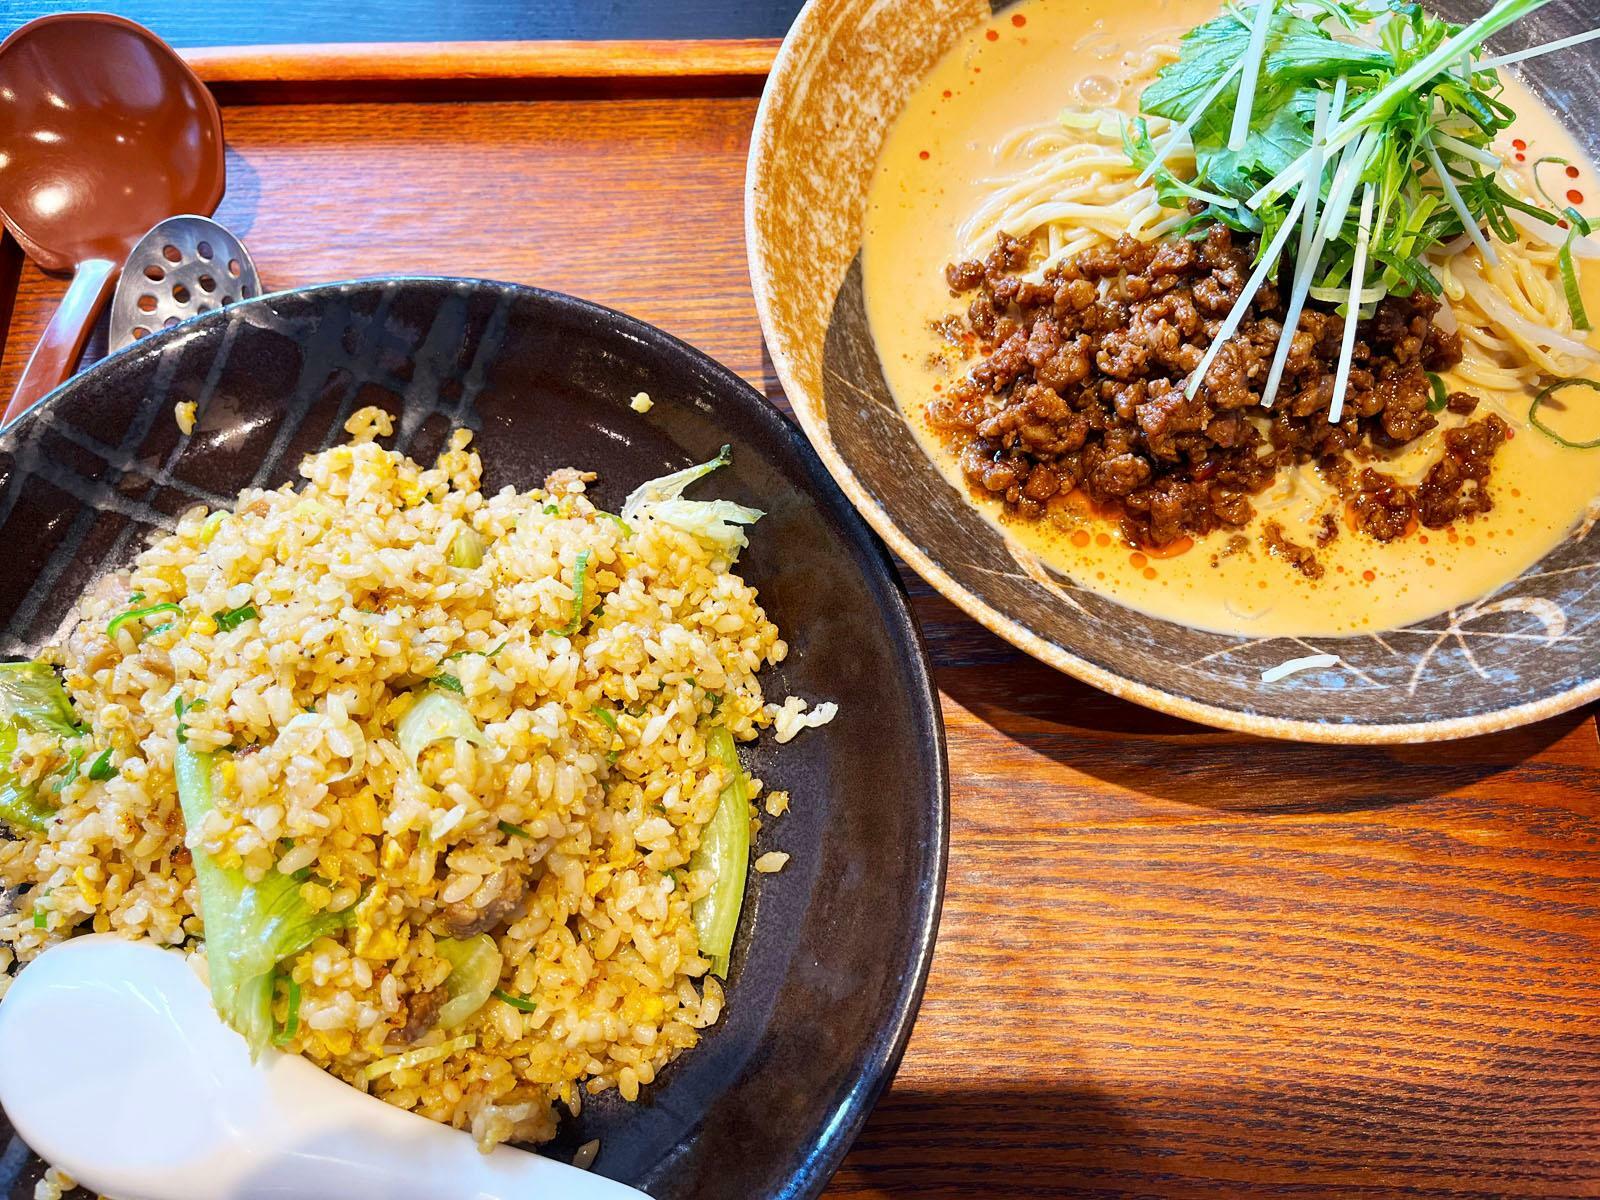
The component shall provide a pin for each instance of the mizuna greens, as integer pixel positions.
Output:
(1399, 165)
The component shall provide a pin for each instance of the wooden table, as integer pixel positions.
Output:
(1173, 962)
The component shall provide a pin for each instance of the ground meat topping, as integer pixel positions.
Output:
(1081, 387)
(1301, 558)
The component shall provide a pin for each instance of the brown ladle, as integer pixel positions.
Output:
(104, 131)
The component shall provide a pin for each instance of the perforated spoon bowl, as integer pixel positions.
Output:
(183, 267)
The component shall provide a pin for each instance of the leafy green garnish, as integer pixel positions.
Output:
(101, 769)
(1408, 140)
(69, 774)
(517, 1002)
(448, 682)
(249, 927)
(1441, 395)
(510, 830)
(234, 617)
(580, 586)
(610, 719)
(485, 653)
(182, 707)
(281, 1037)
(138, 614)
(1544, 397)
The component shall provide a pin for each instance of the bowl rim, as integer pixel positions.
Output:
(825, 1147)
(786, 66)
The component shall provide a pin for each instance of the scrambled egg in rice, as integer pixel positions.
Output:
(449, 776)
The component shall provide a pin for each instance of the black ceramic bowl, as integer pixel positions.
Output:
(832, 951)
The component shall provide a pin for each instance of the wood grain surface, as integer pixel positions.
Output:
(1173, 962)
(320, 73)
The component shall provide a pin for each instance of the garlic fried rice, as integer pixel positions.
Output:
(449, 775)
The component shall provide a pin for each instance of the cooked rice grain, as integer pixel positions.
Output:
(356, 604)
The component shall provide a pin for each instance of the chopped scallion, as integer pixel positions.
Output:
(234, 617)
(517, 1002)
(283, 1035)
(1544, 396)
(580, 587)
(138, 614)
(101, 769)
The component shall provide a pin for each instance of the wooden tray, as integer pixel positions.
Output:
(1173, 962)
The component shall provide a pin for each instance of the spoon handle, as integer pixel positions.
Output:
(10, 279)
(58, 350)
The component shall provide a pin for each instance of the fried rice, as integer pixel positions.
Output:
(591, 657)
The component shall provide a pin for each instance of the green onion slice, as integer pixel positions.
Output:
(101, 769)
(580, 587)
(291, 1019)
(520, 1003)
(1558, 385)
(232, 618)
(136, 614)
(1441, 397)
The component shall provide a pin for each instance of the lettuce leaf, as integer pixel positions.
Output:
(32, 699)
(31, 694)
(20, 806)
(724, 850)
(714, 521)
(435, 717)
(249, 927)
(475, 964)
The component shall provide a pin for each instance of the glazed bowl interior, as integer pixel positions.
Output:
(1527, 651)
(819, 1001)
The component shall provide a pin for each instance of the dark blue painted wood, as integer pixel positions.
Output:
(245, 22)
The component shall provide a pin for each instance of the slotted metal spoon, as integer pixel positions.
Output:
(183, 267)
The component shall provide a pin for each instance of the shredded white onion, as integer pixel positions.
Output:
(1310, 662)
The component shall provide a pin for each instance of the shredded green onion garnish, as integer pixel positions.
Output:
(485, 653)
(580, 587)
(1577, 226)
(448, 682)
(1558, 385)
(41, 917)
(516, 1002)
(101, 769)
(70, 775)
(506, 827)
(1441, 397)
(610, 719)
(180, 708)
(627, 530)
(136, 614)
(291, 1019)
(232, 618)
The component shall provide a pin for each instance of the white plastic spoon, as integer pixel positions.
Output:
(115, 1068)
